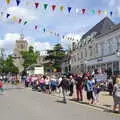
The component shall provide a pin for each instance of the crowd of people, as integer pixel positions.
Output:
(73, 84)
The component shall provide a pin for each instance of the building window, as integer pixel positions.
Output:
(118, 42)
(22, 46)
(81, 54)
(91, 52)
(85, 52)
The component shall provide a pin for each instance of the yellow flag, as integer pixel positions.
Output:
(105, 12)
(14, 18)
(8, 1)
(61, 8)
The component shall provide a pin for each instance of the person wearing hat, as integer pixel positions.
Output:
(116, 94)
(65, 86)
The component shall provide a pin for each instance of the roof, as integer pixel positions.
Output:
(100, 28)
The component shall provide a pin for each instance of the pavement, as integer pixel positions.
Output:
(19, 103)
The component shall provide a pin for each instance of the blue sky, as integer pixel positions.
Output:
(70, 24)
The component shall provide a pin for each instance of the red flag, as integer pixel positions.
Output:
(53, 7)
(99, 12)
(36, 27)
(83, 11)
(36, 4)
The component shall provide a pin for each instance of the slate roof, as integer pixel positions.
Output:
(100, 28)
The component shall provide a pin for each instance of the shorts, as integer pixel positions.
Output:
(47, 86)
(90, 95)
(116, 100)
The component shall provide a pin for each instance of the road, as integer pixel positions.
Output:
(24, 104)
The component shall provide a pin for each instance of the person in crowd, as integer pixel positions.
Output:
(42, 84)
(47, 85)
(110, 85)
(1, 87)
(65, 85)
(71, 85)
(116, 94)
(59, 81)
(89, 89)
(53, 84)
(79, 87)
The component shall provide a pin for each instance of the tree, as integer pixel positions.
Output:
(30, 57)
(55, 56)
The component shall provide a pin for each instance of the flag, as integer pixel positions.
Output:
(36, 4)
(69, 9)
(45, 6)
(77, 10)
(99, 12)
(36, 27)
(20, 20)
(93, 12)
(14, 18)
(44, 30)
(53, 7)
(18, 2)
(83, 11)
(105, 12)
(8, 15)
(111, 13)
(61, 8)
(8, 1)
(25, 22)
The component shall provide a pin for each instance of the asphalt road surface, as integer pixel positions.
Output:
(25, 104)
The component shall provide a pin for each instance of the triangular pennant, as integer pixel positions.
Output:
(8, 15)
(44, 30)
(1, 13)
(36, 27)
(69, 9)
(20, 20)
(53, 7)
(99, 12)
(25, 22)
(45, 6)
(77, 10)
(36, 4)
(8, 1)
(105, 12)
(61, 8)
(14, 18)
(18, 2)
(93, 12)
(63, 36)
(111, 13)
(83, 11)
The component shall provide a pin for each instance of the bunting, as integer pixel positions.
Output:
(99, 12)
(69, 9)
(20, 20)
(36, 27)
(14, 18)
(8, 1)
(45, 6)
(18, 2)
(8, 15)
(25, 22)
(53, 7)
(93, 12)
(83, 11)
(36, 4)
(61, 8)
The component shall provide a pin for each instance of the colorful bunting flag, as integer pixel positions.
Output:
(36, 4)
(93, 12)
(20, 20)
(53, 7)
(77, 10)
(105, 12)
(8, 15)
(61, 8)
(44, 30)
(36, 27)
(14, 18)
(83, 11)
(8, 1)
(45, 6)
(69, 9)
(1, 13)
(18, 2)
(111, 13)
(99, 12)
(25, 22)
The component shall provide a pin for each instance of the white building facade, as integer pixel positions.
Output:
(98, 50)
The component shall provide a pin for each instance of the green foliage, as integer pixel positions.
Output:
(55, 56)
(30, 57)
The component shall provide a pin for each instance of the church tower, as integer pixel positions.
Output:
(21, 45)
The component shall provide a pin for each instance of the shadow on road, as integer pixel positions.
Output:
(60, 101)
(14, 88)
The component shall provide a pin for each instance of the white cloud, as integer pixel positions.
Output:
(116, 5)
(9, 40)
(22, 12)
